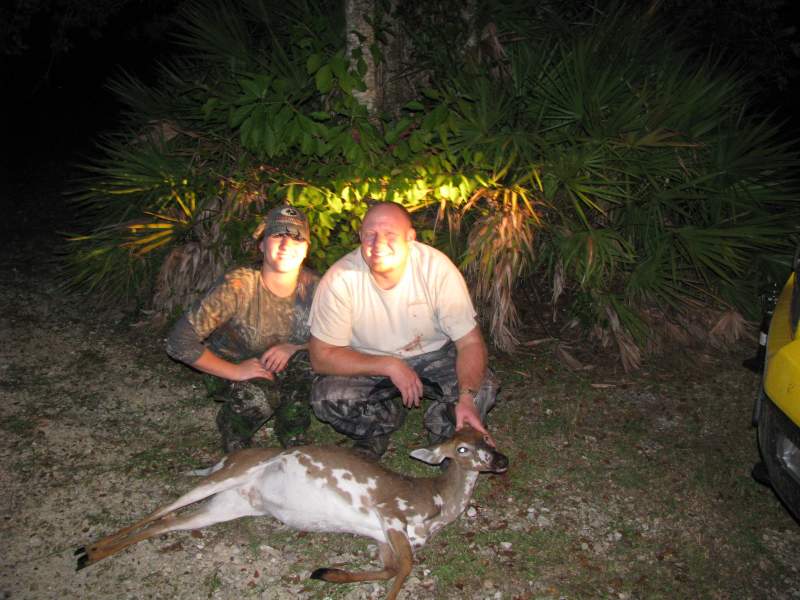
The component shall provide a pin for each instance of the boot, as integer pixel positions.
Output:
(372, 447)
(235, 428)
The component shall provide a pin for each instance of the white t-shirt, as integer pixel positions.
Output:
(429, 306)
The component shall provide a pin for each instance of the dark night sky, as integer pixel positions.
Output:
(54, 111)
(52, 117)
(57, 108)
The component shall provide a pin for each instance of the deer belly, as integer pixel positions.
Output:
(305, 501)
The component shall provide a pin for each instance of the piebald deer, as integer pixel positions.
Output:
(314, 488)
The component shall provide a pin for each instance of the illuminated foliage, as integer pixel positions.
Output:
(600, 167)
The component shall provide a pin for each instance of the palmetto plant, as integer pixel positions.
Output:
(596, 164)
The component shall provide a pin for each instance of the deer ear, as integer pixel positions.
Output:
(432, 456)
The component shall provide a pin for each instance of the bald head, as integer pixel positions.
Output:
(391, 210)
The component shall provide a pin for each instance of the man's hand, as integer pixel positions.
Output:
(407, 381)
(467, 414)
(277, 357)
(252, 369)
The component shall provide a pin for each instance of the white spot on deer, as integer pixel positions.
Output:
(438, 501)
(402, 504)
(395, 524)
(484, 456)
(358, 492)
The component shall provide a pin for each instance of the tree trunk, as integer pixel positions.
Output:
(361, 35)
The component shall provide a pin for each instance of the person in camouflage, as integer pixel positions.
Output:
(249, 335)
(394, 319)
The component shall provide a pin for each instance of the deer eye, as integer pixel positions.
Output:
(462, 450)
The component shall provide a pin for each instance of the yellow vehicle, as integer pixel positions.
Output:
(778, 406)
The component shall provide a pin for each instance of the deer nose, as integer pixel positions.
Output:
(499, 462)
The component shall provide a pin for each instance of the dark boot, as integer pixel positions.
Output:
(236, 429)
(372, 447)
(244, 412)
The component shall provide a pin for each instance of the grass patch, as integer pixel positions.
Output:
(15, 424)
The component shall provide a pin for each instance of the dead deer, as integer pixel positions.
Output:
(331, 489)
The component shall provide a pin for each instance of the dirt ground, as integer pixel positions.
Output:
(621, 486)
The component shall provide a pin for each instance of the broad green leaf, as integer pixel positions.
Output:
(209, 106)
(335, 203)
(339, 65)
(325, 220)
(240, 114)
(324, 79)
(257, 86)
(313, 63)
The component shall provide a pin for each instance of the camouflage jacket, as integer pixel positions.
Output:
(240, 318)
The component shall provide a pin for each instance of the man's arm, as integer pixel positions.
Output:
(328, 359)
(471, 361)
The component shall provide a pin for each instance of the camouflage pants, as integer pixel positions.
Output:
(365, 407)
(247, 405)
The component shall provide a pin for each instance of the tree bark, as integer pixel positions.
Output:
(361, 35)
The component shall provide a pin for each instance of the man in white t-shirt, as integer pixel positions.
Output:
(394, 318)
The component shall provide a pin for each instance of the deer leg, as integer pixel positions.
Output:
(341, 576)
(397, 560)
(225, 506)
(403, 559)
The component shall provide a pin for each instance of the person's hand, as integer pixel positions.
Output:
(252, 369)
(467, 414)
(276, 358)
(407, 381)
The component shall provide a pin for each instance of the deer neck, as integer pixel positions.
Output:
(455, 486)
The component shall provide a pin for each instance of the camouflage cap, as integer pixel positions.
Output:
(285, 219)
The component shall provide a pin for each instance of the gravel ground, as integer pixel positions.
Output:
(621, 486)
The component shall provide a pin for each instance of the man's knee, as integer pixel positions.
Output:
(348, 404)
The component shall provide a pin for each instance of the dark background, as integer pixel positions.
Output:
(57, 103)
(56, 100)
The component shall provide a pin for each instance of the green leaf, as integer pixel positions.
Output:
(415, 142)
(307, 144)
(321, 115)
(395, 132)
(209, 107)
(358, 83)
(414, 106)
(270, 146)
(280, 85)
(324, 79)
(257, 86)
(339, 65)
(258, 119)
(240, 114)
(401, 150)
(313, 63)
(322, 148)
(325, 219)
(346, 83)
(335, 203)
